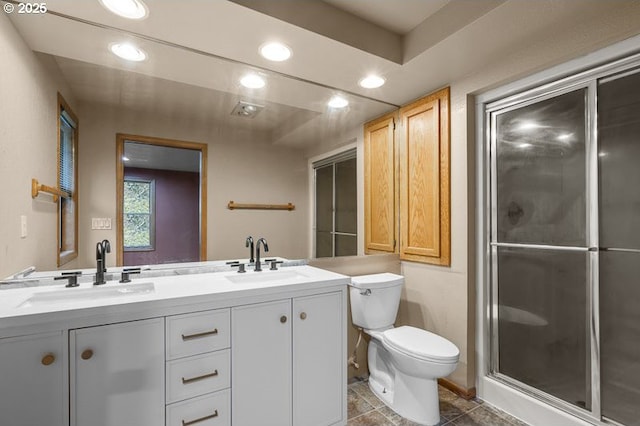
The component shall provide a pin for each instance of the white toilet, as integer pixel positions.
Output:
(404, 362)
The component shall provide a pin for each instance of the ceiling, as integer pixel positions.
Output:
(198, 50)
(399, 16)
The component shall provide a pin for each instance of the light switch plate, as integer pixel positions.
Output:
(100, 223)
(23, 226)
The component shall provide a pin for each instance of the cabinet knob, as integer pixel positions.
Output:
(283, 319)
(86, 354)
(303, 316)
(48, 359)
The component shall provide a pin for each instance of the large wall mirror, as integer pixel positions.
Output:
(184, 91)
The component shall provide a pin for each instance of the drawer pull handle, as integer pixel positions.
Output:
(199, 335)
(201, 419)
(195, 379)
(86, 354)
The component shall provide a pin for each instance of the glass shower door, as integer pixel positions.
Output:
(539, 239)
(619, 205)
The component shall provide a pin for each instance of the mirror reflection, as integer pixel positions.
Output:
(260, 128)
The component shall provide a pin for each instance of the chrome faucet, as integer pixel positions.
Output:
(248, 243)
(102, 248)
(258, 267)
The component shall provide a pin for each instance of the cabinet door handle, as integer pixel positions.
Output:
(48, 359)
(283, 319)
(86, 354)
(195, 379)
(198, 335)
(201, 419)
(303, 316)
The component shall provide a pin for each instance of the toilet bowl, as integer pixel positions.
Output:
(404, 362)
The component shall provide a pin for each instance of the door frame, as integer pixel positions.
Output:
(121, 138)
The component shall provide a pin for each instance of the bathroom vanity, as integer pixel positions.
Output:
(213, 349)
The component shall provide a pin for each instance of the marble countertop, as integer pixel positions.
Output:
(33, 305)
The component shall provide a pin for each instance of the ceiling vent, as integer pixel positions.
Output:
(246, 109)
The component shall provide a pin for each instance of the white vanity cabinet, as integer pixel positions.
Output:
(33, 380)
(117, 374)
(288, 362)
(267, 349)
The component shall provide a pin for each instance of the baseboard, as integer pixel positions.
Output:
(457, 389)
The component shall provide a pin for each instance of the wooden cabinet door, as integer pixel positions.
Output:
(261, 364)
(379, 186)
(33, 385)
(319, 353)
(424, 180)
(117, 374)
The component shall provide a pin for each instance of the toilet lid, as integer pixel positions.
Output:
(421, 344)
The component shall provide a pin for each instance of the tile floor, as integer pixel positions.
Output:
(365, 409)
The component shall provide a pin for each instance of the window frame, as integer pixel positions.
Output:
(65, 256)
(152, 216)
(333, 160)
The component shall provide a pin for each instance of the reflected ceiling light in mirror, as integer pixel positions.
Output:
(275, 51)
(371, 82)
(130, 9)
(338, 102)
(528, 125)
(252, 81)
(602, 154)
(564, 137)
(125, 158)
(128, 51)
(524, 145)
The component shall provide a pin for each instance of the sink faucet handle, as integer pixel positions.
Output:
(274, 265)
(240, 267)
(126, 272)
(71, 277)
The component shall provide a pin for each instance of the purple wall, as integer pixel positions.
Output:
(177, 217)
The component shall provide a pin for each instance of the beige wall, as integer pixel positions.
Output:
(28, 149)
(442, 299)
(249, 173)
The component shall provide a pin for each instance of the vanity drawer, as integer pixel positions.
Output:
(208, 410)
(193, 334)
(197, 375)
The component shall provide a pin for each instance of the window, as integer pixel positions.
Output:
(336, 203)
(67, 182)
(139, 220)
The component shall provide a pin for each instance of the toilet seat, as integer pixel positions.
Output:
(421, 344)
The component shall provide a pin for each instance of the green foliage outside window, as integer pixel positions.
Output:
(138, 196)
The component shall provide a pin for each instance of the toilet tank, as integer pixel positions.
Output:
(375, 300)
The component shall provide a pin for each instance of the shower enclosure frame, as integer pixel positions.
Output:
(560, 80)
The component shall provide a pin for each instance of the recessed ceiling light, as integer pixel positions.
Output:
(338, 102)
(371, 82)
(275, 51)
(128, 51)
(252, 81)
(131, 9)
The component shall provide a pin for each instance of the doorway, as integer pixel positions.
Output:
(161, 201)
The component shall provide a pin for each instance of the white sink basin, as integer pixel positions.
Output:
(72, 296)
(265, 276)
